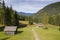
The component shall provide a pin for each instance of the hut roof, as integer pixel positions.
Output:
(40, 24)
(10, 28)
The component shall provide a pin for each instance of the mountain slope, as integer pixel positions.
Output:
(50, 10)
(47, 12)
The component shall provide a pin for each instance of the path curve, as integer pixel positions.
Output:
(35, 34)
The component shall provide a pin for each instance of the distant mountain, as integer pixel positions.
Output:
(26, 14)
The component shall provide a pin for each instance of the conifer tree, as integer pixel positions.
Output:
(30, 20)
(7, 17)
(58, 20)
(3, 12)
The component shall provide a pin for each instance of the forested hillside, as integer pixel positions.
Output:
(49, 14)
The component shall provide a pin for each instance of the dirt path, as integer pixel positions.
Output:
(35, 34)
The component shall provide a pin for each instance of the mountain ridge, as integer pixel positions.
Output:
(25, 14)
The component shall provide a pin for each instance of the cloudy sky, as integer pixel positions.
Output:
(29, 6)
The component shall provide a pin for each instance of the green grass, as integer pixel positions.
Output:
(23, 34)
(52, 33)
(24, 22)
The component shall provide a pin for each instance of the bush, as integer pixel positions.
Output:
(59, 29)
(45, 27)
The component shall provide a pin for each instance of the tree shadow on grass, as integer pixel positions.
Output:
(22, 25)
(5, 38)
(1, 28)
(19, 32)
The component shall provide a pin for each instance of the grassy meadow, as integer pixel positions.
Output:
(51, 33)
(25, 33)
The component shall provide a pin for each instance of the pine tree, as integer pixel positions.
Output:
(3, 4)
(3, 11)
(14, 18)
(7, 17)
(58, 20)
(30, 21)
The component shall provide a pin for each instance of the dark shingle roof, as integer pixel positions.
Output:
(10, 28)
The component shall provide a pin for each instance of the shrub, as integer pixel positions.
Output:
(59, 29)
(45, 27)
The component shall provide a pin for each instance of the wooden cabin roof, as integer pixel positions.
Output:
(10, 28)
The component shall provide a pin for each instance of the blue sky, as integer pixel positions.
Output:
(29, 6)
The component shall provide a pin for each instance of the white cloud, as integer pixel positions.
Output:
(46, 0)
(28, 5)
(26, 8)
(8, 1)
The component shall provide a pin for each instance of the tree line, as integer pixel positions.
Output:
(46, 19)
(25, 18)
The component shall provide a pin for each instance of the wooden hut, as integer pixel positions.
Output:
(10, 30)
(40, 25)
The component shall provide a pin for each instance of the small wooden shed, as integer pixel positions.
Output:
(10, 30)
(40, 25)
